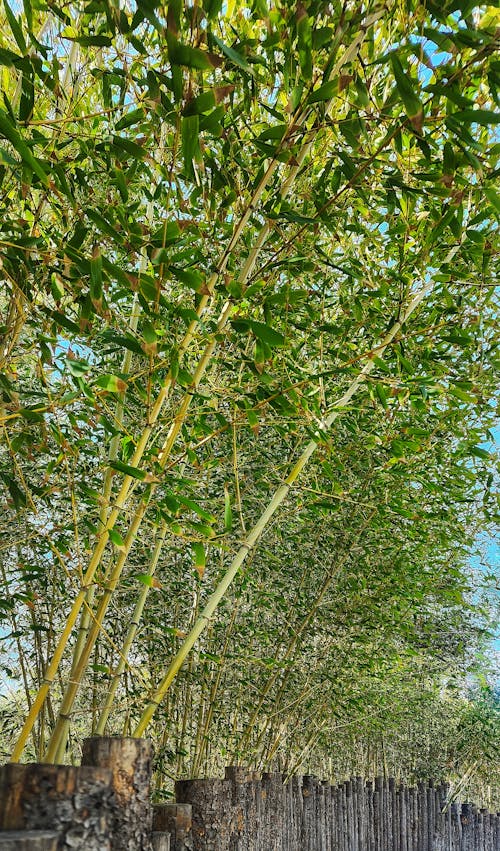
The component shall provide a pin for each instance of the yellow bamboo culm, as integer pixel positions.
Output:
(95, 561)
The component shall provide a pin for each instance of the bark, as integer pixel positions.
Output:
(77, 803)
(129, 761)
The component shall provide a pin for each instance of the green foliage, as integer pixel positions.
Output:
(212, 216)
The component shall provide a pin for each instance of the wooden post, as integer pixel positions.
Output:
(327, 824)
(403, 843)
(320, 817)
(351, 832)
(273, 785)
(431, 816)
(212, 812)
(297, 803)
(161, 841)
(244, 799)
(78, 804)
(370, 816)
(308, 811)
(390, 804)
(359, 798)
(129, 761)
(175, 820)
(378, 812)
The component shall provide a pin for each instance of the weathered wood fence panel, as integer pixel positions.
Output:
(245, 813)
(104, 805)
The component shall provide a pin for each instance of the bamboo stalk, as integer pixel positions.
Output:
(94, 631)
(106, 497)
(164, 454)
(278, 498)
(207, 720)
(131, 633)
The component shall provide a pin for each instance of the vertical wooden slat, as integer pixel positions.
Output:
(360, 812)
(371, 816)
(403, 830)
(431, 815)
(377, 812)
(350, 817)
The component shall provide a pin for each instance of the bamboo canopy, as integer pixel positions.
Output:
(248, 370)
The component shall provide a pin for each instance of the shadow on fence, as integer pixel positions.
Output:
(104, 805)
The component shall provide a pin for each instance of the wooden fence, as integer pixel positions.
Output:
(246, 812)
(104, 805)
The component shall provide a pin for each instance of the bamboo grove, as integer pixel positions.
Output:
(249, 373)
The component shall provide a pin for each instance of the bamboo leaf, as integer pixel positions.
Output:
(381, 395)
(492, 197)
(16, 494)
(484, 117)
(96, 276)
(203, 103)
(9, 132)
(479, 452)
(263, 332)
(194, 506)
(16, 28)
(112, 383)
(78, 368)
(325, 92)
(131, 118)
(128, 470)
(191, 277)
(233, 55)
(148, 580)
(190, 57)
(190, 142)
(8, 58)
(91, 40)
(411, 102)
(199, 558)
(116, 539)
(27, 100)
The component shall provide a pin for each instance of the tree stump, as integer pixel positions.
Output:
(129, 761)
